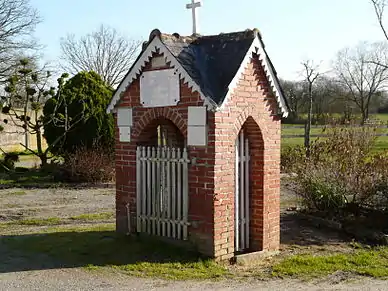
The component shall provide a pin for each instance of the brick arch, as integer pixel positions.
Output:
(252, 130)
(153, 114)
(249, 111)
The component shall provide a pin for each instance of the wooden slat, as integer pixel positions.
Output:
(158, 190)
(143, 188)
(179, 193)
(163, 166)
(138, 189)
(173, 194)
(185, 194)
(149, 190)
(168, 192)
(153, 186)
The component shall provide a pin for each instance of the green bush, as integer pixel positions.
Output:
(7, 162)
(322, 194)
(341, 171)
(79, 115)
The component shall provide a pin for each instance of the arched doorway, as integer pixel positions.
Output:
(161, 132)
(162, 181)
(249, 163)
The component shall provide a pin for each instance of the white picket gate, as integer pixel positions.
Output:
(162, 191)
(242, 193)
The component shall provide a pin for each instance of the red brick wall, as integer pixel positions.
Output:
(201, 175)
(249, 107)
(211, 179)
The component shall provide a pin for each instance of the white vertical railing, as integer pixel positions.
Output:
(185, 196)
(138, 186)
(148, 194)
(173, 196)
(143, 182)
(242, 193)
(236, 200)
(247, 191)
(162, 191)
(168, 193)
(178, 195)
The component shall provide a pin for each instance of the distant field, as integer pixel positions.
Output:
(289, 130)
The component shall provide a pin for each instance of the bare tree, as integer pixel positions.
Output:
(294, 91)
(359, 71)
(103, 51)
(27, 91)
(17, 24)
(379, 6)
(311, 74)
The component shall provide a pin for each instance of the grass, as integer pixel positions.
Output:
(381, 116)
(26, 178)
(36, 221)
(58, 220)
(381, 143)
(94, 216)
(101, 247)
(287, 130)
(17, 193)
(367, 262)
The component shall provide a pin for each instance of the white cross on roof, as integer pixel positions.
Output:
(193, 6)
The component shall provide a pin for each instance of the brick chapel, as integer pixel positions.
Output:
(198, 122)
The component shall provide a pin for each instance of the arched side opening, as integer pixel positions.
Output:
(249, 169)
(162, 181)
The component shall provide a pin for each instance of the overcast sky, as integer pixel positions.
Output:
(293, 30)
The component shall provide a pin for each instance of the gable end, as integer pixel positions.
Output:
(155, 46)
(257, 47)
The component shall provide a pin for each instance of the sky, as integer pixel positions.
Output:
(292, 30)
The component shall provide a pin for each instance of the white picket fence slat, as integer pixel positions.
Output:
(242, 191)
(162, 191)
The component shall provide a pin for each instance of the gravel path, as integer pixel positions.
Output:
(54, 202)
(78, 279)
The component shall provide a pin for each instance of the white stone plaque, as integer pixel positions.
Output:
(197, 126)
(124, 133)
(159, 88)
(197, 135)
(124, 116)
(197, 115)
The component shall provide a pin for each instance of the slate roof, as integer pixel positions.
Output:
(212, 61)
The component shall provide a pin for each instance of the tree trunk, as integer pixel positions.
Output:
(308, 123)
(364, 117)
(41, 154)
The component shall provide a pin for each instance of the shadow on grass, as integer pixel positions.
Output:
(96, 248)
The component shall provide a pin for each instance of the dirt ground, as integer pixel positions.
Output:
(297, 235)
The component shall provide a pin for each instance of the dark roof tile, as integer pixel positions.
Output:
(213, 60)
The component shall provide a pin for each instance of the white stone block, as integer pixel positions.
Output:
(196, 135)
(158, 62)
(125, 133)
(197, 115)
(124, 116)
